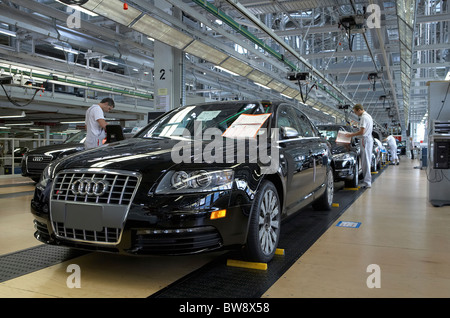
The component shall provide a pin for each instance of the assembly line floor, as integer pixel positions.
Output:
(398, 248)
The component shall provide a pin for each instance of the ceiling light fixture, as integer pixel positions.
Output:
(73, 122)
(65, 49)
(20, 124)
(109, 62)
(8, 32)
(263, 86)
(225, 70)
(21, 115)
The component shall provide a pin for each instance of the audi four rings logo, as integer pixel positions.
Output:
(38, 158)
(89, 187)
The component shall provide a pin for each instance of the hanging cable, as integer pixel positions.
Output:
(15, 103)
(305, 97)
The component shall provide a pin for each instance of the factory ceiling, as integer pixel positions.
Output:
(323, 55)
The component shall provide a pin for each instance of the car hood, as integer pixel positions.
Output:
(51, 150)
(339, 148)
(135, 154)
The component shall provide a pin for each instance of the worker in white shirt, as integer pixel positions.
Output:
(392, 143)
(96, 123)
(366, 142)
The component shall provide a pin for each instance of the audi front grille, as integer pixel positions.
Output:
(116, 188)
(92, 205)
(37, 163)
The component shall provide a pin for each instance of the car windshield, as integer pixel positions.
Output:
(77, 138)
(184, 119)
(329, 135)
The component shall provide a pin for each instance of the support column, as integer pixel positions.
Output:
(168, 70)
(47, 135)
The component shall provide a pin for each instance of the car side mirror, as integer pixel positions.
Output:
(289, 132)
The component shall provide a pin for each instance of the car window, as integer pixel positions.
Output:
(329, 135)
(285, 118)
(306, 130)
(185, 119)
(78, 137)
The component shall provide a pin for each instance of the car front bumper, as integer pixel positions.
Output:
(344, 169)
(165, 225)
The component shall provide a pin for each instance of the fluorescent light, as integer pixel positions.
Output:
(109, 62)
(263, 86)
(225, 70)
(73, 122)
(14, 115)
(8, 32)
(77, 7)
(65, 49)
(286, 96)
(20, 124)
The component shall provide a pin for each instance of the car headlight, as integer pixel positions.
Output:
(343, 156)
(343, 159)
(47, 175)
(195, 181)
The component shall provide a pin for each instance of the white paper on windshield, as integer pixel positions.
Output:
(343, 138)
(208, 115)
(246, 126)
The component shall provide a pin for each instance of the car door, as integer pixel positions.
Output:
(297, 155)
(317, 150)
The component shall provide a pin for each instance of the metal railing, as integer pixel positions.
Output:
(12, 149)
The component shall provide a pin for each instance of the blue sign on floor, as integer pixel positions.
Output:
(354, 225)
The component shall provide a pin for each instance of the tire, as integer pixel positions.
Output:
(325, 202)
(354, 182)
(36, 179)
(264, 229)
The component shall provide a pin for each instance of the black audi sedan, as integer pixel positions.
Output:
(346, 161)
(35, 160)
(198, 178)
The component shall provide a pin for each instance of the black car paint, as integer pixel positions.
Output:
(150, 215)
(49, 153)
(52, 152)
(344, 169)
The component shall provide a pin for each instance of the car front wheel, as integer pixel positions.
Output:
(264, 230)
(325, 202)
(353, 183)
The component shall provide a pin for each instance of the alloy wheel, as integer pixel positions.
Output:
(330, 188)
(269, 222)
